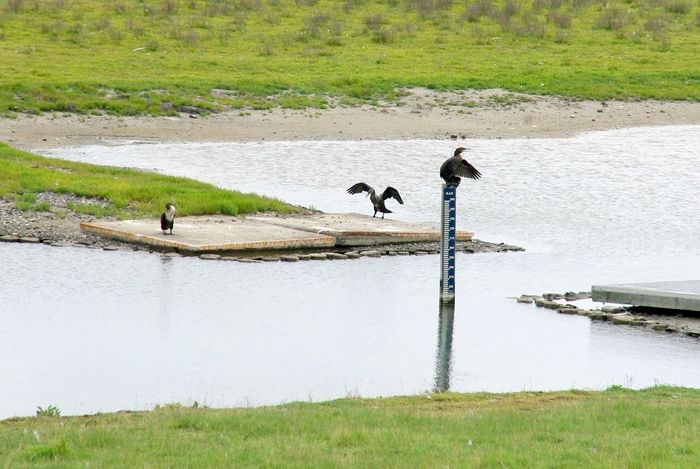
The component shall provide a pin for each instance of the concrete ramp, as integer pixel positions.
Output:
(353, 229)
(265, 233)
(680, 295)
(209, 234)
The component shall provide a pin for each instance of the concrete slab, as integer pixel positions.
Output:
(680, 295)
(353, 229)
(209, 234)
(264, 233)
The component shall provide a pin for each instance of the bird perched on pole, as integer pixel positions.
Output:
(167, 218)
(457, 166)
(377, 200)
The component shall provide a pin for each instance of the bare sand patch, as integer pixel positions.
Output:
(422, 114)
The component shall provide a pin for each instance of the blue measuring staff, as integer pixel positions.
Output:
(448, 232)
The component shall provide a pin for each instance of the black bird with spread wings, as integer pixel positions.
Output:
(457, 166)
(377, 200)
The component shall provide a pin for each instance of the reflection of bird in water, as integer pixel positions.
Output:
(456, 166)
(377, 200)
(167, 218)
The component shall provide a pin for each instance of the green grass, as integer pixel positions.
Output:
(152, 56)
(657, 427)
(48, 411)
(27, 201)
(127, 193)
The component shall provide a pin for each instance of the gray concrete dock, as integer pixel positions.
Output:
(265, 233)
(680, 295)
(353, 229)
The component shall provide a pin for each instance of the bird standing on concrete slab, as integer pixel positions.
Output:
(457, 166)
(377, 200)
(167, 218)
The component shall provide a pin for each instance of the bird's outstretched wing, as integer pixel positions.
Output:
(391, 192)
(467, 170)
(359, 187)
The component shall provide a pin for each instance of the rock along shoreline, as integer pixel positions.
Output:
(561, 303)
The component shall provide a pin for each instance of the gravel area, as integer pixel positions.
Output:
(60, 224)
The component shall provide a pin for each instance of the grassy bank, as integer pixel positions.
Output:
(154, 56)
(657, 427)
(121, 192)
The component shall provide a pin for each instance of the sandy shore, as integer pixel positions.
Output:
(422, 114)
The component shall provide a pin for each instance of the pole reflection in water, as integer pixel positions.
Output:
(443, 360)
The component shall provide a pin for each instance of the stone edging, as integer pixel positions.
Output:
(414, 249)
(313, 256)
(614, 314)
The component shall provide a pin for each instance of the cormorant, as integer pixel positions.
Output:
(456, 166)
(167, 218)
(377, 200)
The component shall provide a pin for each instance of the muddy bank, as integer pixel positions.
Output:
(423, 114)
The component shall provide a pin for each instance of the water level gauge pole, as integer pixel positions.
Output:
(448, 231)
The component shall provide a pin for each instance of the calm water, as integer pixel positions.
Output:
(92, 331)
